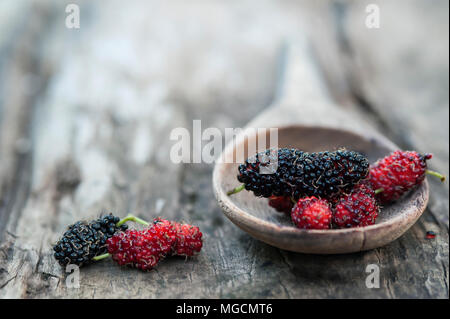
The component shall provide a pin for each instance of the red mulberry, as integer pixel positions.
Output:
(143, 249)
(189, 240)
(312, 213)
(282, 204)
(357, 209)
(398, 173)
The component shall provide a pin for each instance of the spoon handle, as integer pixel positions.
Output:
(302, 98)
(302, 95)
(299, 77)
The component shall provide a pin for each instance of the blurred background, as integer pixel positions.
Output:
(85, 117)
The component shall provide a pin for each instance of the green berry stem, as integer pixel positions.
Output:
(293, 200)
(236, 190)
(438, 175)
(132, 218)
(379, 190)
(100, 257)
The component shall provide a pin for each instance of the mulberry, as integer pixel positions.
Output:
(299, 174)
(85, 240)
(398, 173)
(357, 209)
(143, 249)
(189, 240)
(312, 213)
(282, 204)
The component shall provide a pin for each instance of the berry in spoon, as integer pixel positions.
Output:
(312, 213)
(398, 173)
(357, 209)
(299, 174)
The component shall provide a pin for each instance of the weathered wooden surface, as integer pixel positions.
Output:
(85, 117)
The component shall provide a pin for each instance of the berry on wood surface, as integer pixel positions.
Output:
(143, 249)
(357, 209)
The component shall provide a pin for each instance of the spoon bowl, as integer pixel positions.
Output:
(253, 214)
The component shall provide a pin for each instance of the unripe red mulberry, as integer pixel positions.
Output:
(189, 240)
(312, 213)
(357, 209)
(398, 173)
(85, 240)
(143, 249)
(282, 204)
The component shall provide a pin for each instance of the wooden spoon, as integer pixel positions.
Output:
(307, 119)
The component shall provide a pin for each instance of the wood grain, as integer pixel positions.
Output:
(85, 117)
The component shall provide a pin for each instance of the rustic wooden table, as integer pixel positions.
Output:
(85, 117)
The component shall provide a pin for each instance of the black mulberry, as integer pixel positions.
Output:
(85, 240)
(299, 174)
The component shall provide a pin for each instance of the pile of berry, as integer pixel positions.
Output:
(86, 242)
(333, 189)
